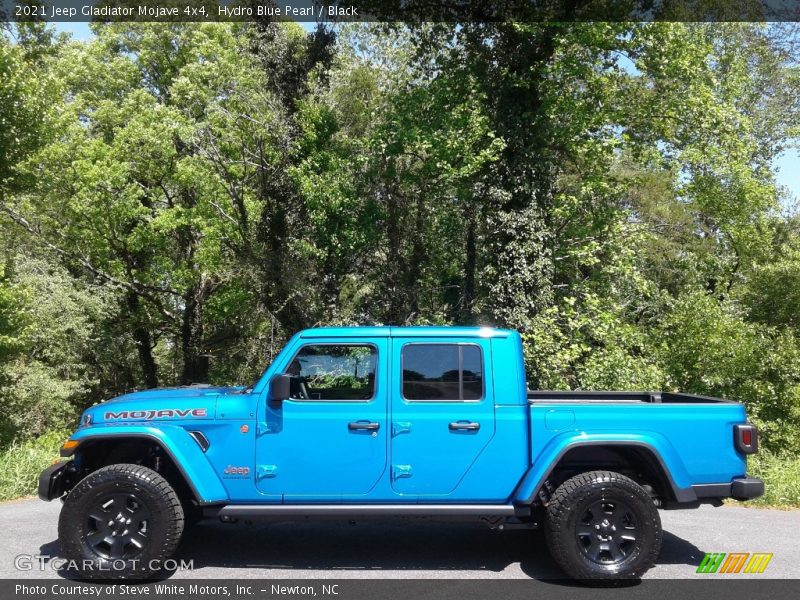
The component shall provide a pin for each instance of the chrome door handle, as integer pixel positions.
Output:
(464, 426)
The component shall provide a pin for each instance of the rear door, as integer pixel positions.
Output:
(442, 412)
(328, 441)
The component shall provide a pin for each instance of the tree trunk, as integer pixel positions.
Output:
(395, 263)
(413, 272)
(519, 242)
(470, 264)
(144, 343)
(195, 358)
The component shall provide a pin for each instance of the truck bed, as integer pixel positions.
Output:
(691, 436)
(584, 396)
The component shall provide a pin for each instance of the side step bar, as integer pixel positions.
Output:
(280, 511)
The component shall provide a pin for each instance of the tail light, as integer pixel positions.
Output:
(745, 438)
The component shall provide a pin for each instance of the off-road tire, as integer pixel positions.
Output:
(120, 522)
(590, 521)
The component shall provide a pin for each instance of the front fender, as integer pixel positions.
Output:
(179, 446)
(658, 445)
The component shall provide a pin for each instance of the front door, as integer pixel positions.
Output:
(328, 441)
(442, 413)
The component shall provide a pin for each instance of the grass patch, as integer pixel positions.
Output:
(21, 463)
(781, 475)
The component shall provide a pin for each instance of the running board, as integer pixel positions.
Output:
(279, 511)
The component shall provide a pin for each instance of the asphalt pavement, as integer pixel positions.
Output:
(411, 549)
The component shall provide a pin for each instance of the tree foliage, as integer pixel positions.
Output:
(189, 195)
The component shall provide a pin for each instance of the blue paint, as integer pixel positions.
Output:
(177, 442)
(494, 449)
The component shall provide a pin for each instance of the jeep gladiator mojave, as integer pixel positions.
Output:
(384, 422)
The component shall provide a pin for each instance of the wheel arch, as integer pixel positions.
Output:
(573, 456)
(185, 458)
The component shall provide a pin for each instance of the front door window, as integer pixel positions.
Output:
(330, 372)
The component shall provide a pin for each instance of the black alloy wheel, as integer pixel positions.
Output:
(602, 525)
(117, 527)
(607, 531)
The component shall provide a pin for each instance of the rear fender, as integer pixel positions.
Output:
(543, 465)
(178, 445)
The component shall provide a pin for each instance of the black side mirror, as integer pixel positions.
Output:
(279, 387)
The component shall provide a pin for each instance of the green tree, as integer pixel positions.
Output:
(142, 213)
(55, 370)
(12, 317)
(706, 348)
(24, 97)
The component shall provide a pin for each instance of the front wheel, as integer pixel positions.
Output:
(120, 522)
(603, 525)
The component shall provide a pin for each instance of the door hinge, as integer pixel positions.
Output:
(401, 471)
(265, 427)
(399, 427)
(266, 471)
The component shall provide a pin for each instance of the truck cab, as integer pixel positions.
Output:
(381, 422)
(392, 415)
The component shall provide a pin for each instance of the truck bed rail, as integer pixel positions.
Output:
(586, 396)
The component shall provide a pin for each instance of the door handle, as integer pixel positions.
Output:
(464, 426)
(363, 426)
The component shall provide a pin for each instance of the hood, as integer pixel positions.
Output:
(189, 391)
(179, 403)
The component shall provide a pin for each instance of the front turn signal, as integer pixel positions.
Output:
(68, 447)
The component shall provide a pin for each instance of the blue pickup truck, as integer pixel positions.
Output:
(384, 422)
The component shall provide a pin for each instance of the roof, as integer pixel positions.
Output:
(387, 331)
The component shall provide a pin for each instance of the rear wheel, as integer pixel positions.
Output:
(120, 522)
(603, 525)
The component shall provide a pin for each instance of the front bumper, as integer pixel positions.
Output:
(745, 488)
(56, 480)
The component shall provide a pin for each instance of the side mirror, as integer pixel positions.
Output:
(279, 387)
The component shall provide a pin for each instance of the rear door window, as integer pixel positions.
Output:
(442, 372)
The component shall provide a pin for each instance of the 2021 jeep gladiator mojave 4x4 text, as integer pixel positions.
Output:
(385, 422)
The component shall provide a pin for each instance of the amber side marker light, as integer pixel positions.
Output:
(68, 447)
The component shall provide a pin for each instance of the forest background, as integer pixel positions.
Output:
(176, 200)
